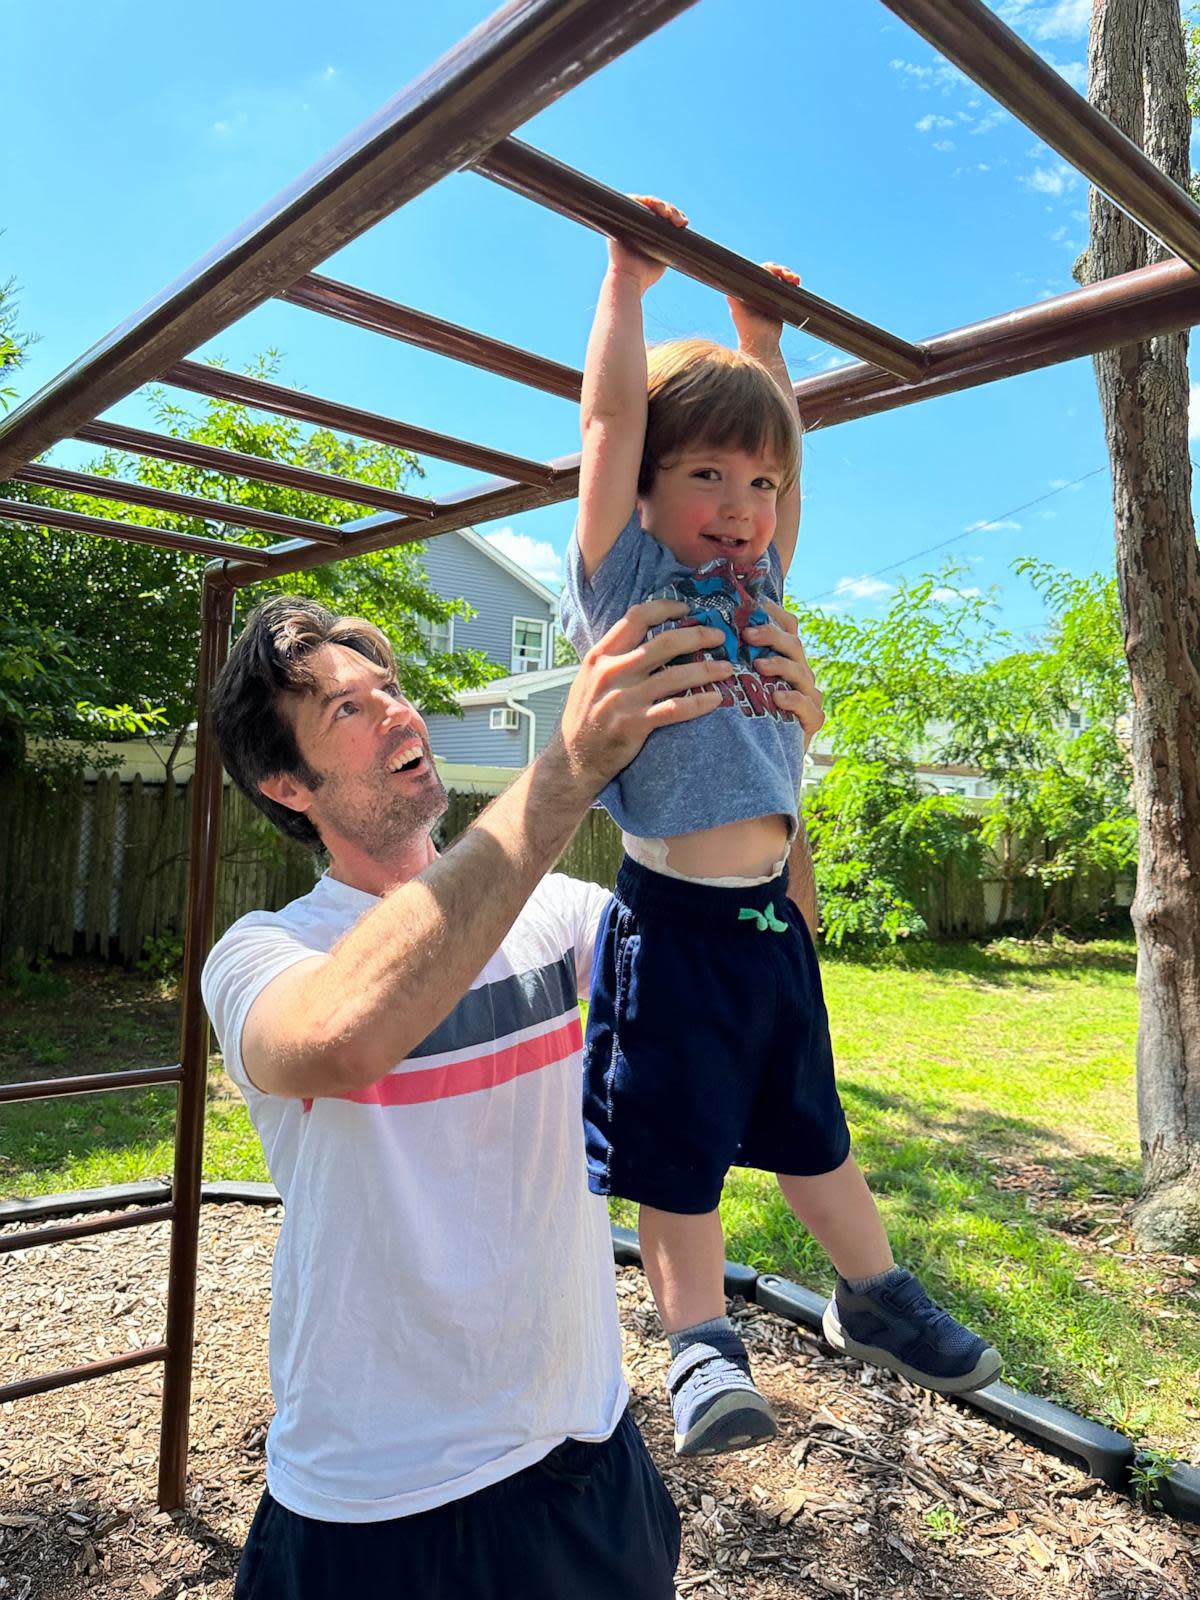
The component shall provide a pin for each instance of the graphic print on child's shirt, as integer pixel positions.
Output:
(720, 595)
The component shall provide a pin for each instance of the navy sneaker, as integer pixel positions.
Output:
(713, 1398)
(898, 1326)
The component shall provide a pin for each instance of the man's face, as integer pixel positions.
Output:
(377, 784)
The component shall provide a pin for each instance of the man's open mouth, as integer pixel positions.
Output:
(407, 758)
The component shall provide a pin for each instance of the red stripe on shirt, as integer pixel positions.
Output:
(480, 1072)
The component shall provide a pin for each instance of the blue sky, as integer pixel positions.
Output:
(829, 137)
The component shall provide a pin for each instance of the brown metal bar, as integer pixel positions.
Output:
(481, 502)
(365, 424)
(186, 505)
(216, 621)
(238, 464)
(1128, 309)
(112, 1223)
(1123, 310)
(512, 65)
(91, 1083)
(373, 312)
(539, 177)
(973, 37)
(91, 1369)
(31, 514)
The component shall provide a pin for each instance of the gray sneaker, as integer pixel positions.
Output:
(898, 1326)
(713, 1398)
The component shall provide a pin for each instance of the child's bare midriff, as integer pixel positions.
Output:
(749, 849)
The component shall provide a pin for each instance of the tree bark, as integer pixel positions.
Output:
(1136, 76)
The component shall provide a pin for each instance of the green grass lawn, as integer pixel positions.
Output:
(991, 1096)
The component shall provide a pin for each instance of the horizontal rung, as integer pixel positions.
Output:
(92, 1369)
(91, 1083)
(111, 1222)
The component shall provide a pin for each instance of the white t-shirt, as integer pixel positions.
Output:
(443, 1310)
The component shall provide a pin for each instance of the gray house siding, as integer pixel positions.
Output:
(470, 740)
(459, 571)
(547, 707)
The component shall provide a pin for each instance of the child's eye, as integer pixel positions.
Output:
(709, 474)
(765, 483)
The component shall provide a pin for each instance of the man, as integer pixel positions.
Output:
(451, 1417)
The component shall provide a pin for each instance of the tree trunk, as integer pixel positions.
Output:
(1136, 72)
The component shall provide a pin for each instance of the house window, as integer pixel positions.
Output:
(437, 636)
(529, 640)
(503, 717)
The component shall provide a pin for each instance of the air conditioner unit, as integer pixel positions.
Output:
(503, 717)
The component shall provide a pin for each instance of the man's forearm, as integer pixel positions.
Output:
(404, 966)
(802, 883)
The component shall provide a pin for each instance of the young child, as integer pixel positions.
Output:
(708, 1041)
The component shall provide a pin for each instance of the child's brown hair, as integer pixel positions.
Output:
(703, 393)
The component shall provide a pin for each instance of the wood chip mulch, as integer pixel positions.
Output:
(873, 1490)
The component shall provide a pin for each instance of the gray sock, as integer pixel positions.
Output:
(876, 1281)
(698, 1333)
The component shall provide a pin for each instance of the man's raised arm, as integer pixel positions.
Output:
(339, 1022)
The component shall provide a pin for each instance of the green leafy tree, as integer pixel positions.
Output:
(45, 691)
(933, 680)
(1048, 728)
(127, 615)
(879, 836)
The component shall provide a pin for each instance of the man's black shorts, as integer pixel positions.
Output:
(707, 1043)
(589, 1522)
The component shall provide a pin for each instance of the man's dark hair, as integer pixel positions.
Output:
(270, 659)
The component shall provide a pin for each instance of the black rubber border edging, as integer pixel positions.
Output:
(1108, 1455)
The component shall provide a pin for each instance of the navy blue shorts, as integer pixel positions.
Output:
(590, 1522)
(707, 1043)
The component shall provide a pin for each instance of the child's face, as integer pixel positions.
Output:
(710, 503)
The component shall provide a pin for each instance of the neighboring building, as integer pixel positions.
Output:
(515, 615)
(508, 721)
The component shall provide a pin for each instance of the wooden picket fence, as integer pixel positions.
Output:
(594, 854)
(101, 868)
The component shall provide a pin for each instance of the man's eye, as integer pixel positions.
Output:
(347, 708)
(394, 690)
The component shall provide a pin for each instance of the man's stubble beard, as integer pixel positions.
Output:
(388, 819)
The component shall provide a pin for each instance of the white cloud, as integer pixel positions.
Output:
(1067, 19)
(540, 560)
(1004, 524)
(1194, 411)
(1075, 72)
(988, 121)
(1051, 180)
(910, 69)
(862, 588)
(933, 121)
(1048, 19)
(943, 144)
(956, 594)
(941, 75)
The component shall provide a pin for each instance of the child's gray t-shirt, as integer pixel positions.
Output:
(742, 760)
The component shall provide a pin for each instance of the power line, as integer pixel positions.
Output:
(979, 527)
